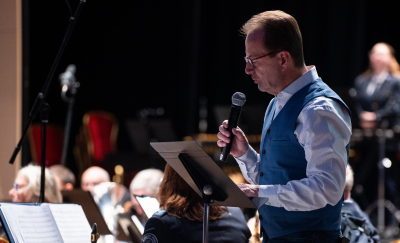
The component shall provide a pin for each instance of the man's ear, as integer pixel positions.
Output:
(284, 58)
(68, 187)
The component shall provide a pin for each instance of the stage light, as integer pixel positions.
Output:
(386, 163)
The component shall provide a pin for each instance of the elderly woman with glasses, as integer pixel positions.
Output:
(27, 186)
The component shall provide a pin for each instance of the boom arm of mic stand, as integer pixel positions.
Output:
(42, 95)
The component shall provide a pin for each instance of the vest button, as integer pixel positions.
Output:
(263, 152)
(261, 174)
(260, 217)
(268, 130)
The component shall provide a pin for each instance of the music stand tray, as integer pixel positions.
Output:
(205, 177)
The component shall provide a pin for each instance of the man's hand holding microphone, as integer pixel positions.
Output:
(233, 140)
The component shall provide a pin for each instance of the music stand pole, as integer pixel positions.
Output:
(44, 117)
(381, 182)
(207, 199)
(210, 191)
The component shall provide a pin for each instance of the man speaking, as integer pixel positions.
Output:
(299, 176)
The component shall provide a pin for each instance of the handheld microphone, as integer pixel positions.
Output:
(238, 100)
(67, 79)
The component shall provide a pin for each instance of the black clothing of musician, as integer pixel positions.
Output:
(164, 228)
(356, 225)
(383, 99)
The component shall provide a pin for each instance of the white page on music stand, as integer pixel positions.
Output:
(72, 223)
(137, 223)
(12, 224)
(150, 205)
(35, 223)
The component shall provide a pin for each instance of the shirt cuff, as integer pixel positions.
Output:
(248, 160)
(271, 193)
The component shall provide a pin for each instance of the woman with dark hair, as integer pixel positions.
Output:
(181, 217)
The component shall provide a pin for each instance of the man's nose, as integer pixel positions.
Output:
(249, 69)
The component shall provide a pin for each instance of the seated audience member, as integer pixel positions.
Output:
(355, 225)
(64, 177)
(181, 217)
(27, 186)
(93, 176)
(145, 183)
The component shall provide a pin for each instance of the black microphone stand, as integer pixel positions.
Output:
(71, 102)
(40, 100)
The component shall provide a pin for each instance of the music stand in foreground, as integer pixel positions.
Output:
(89, 206)
(194, 165)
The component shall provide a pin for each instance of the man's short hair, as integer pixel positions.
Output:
(62, 172)
(282, 33)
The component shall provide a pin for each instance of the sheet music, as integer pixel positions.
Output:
(72, 222)
(150, 205)
(31, 224)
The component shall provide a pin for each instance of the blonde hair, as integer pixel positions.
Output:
(33, 173)
(394, 67)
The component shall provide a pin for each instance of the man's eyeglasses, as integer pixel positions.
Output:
(248, 60)
(17, 186)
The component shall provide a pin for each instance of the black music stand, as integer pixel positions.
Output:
(192, 163)
(89, 206)
(381, 203)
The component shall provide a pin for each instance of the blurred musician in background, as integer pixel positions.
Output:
(355, 224)
(64, 177)
(181, 217)
(377, 102)
(145, 183)
(27, 186)
(378, 89)
(93, 176)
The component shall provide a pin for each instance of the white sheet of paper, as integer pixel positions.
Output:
(71, 222)
(138, 224)
(150, 205)
(35, 223)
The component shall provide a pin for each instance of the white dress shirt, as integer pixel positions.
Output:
(323, 129)
(376, 82)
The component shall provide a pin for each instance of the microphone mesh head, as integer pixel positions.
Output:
(238, 99)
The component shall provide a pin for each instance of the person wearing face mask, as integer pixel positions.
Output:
(377, 93)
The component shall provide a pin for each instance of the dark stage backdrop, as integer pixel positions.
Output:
(132, 55)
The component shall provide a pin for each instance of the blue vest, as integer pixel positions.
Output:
(284, 160)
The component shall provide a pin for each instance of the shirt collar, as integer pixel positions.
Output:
(299, 83)
(381, 77)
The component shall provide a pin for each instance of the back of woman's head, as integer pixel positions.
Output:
(33, 174)
(180, 200)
